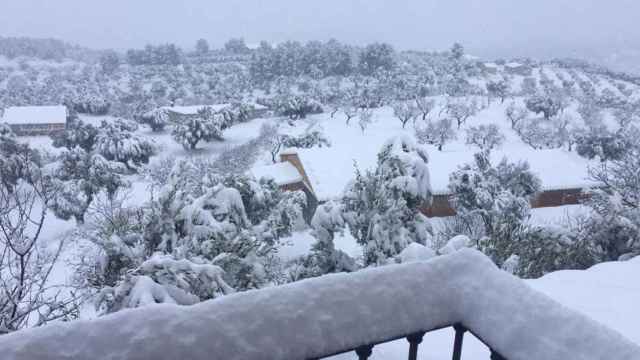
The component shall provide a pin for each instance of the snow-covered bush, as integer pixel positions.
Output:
(436, 133)
(76, 134)
(205, 126)
(297, 106)
(485, 137)
(163, 279)
(157, 119)
(382, 207)
(116, 141)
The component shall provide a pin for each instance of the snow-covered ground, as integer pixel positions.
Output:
(331, 168)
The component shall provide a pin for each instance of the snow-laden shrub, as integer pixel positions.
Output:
(157, 119)
(499, 196)
(76, 134)
(382, 207)
(205, 126)
(116, 141)
(296, 106)
(163, 279)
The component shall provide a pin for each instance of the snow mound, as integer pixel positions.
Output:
(456, 243)
(338, 312)
(415, 252)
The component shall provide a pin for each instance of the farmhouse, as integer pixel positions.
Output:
(516, 68)
(290, 175)
(489, 68)
(35, 120)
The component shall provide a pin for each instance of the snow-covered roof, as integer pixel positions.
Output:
(491, 65)
(335, 313)
(513, 65)
(18, 115)
(283, 173)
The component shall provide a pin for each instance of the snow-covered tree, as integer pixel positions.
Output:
(304, 141)
(405, 111)
(498, 89)
(382, 207)
(499, 196)
(603, 144)
(205, 126)
(437, 133)
(376, 57)
(485, 137)
(350, 111)
(365, 119)
(461, 109)
(425, 106)
(202, 47)
(547, 105)
(27, 297)
(116, 141)
(516, 115)
(81, 177)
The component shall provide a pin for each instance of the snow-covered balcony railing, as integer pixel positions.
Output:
(338, 313)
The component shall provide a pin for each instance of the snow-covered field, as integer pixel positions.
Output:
(330, 169)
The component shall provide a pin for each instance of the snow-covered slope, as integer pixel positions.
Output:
(331, 168)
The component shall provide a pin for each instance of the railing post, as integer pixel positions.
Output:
(364, 352)
(457, 343)
(414, 340)
(496, 356)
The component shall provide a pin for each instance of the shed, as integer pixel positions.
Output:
(36, 120)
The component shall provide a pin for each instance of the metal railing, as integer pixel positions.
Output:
(363, 352)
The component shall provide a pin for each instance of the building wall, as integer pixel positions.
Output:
(36, 129)
(441, 205)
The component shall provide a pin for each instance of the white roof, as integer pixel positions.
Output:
(491, 65)
(17, 115)
(513, 65)
(282, 173)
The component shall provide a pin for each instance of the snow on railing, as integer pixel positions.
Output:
(337, 313)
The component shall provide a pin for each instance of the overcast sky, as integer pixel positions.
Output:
(485, 27)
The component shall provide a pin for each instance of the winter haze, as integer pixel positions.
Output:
(602, 31)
